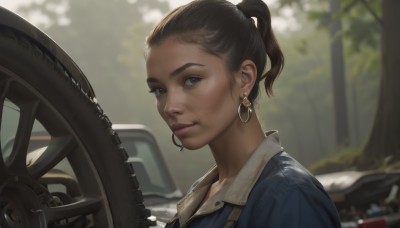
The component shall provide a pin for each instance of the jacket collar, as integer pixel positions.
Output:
(235, 191)
(240, 188)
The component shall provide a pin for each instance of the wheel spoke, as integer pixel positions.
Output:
(4, 87)
(58, 148)
(84, 206)
(22, 138)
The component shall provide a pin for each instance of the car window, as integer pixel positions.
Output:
(144, 151)
(146, 164)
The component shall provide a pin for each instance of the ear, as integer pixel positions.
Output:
(246, 76)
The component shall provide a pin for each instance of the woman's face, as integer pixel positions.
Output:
(196, 95)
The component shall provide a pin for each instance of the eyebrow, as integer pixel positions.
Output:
(176, 71)
(182, 68)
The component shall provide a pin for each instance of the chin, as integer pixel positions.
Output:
(193, 146)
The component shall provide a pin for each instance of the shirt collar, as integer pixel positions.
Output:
(240, 188)
(235, 191)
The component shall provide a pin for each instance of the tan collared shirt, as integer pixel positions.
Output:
(235, 191)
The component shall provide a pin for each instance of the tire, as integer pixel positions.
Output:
(43, 91)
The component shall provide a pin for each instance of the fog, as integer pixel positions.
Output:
(106, 40)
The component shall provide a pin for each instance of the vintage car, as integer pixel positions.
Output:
(365, 199)
(159, 189)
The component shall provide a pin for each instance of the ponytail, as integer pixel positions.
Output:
(259, 10)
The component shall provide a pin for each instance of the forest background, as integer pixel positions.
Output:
(316, 119)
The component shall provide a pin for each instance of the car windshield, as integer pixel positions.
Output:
(149, 169)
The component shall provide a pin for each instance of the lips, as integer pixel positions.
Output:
(181, 129)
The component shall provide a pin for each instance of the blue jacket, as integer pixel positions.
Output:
(273, 189)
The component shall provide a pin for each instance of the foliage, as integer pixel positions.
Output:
(343, 160)
(301, 108)
(363, 23)
(361, 18)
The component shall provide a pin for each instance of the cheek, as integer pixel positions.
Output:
(217, 99)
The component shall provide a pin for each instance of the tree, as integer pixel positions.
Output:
(338, 76)
(330, 20)
(300, 110)
(384, 138)
(373, 23)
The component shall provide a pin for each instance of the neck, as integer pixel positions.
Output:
(234, 146)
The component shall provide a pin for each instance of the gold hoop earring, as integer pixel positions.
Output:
(247, 105)
(176, 144)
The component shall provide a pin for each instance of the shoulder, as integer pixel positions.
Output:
(285, 171)
(286, 187)
(283, 178)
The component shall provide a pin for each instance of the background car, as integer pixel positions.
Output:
(365, 198)
(159, 189)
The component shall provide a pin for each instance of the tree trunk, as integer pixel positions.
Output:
(384, 139)
(338, 78)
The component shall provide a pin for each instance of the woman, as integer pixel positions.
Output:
(204, 62)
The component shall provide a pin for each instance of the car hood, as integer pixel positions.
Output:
(352, 187)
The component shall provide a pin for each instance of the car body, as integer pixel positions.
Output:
(365, 198)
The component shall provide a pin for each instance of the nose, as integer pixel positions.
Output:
(173, 104)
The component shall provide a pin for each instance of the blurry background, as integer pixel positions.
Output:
(324, 102)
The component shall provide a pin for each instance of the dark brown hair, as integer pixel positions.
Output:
(224, 29)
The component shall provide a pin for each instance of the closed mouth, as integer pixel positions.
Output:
(180, 129)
